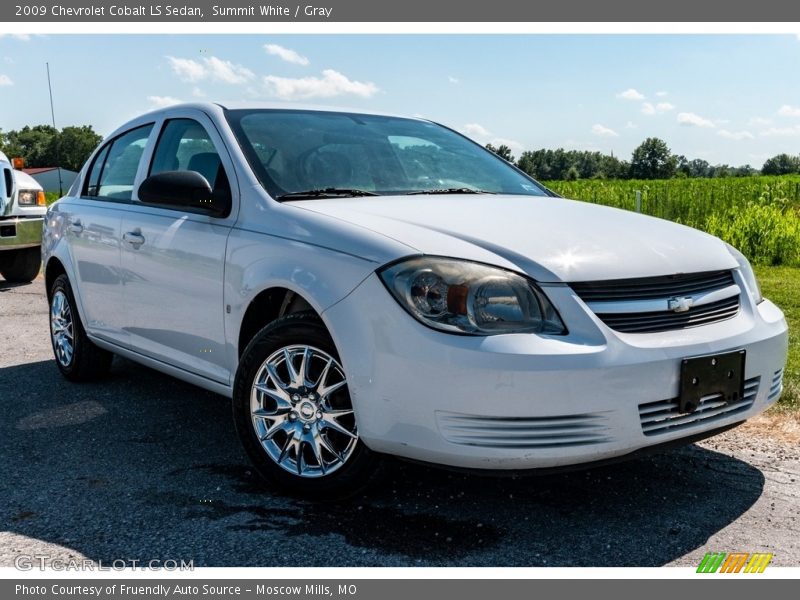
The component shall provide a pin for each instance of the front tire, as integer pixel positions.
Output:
(76, 356)
(20, 266)
(293, 414)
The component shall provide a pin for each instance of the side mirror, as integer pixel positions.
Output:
(187, 190)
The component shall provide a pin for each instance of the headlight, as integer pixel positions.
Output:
(31, 198)
(465, 297)
(747, 273)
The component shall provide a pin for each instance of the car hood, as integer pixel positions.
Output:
(550, 239)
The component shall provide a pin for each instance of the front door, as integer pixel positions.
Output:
(173, 261)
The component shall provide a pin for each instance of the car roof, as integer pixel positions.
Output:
(218, 107)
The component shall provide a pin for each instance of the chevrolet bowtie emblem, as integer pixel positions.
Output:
(680, 304)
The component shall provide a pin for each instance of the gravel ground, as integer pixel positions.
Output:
(142, 466)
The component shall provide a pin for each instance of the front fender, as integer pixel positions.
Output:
(258, 261)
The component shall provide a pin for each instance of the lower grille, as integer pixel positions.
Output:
(662, 416)
(524, 432)
(775, 386)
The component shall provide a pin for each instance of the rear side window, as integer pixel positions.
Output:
(114, 170)
(184, 145)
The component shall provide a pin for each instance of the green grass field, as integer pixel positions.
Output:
(759, 215)
(782, 286)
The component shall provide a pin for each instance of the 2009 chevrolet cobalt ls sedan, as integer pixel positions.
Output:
(362, 284)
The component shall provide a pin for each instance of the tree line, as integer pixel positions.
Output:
(652, 159)
(46, 146)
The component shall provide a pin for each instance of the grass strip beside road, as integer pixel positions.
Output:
(782, 286)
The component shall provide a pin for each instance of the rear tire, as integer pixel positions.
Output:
(76, 356)
(296, 422)
(20, 266)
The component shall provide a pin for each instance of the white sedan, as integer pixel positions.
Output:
(362, 284)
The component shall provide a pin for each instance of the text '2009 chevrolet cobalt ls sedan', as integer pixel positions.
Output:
(362, 284)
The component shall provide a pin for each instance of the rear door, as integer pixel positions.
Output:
(174, 260)
(93, 230)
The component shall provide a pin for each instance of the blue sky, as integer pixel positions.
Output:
(725, 98)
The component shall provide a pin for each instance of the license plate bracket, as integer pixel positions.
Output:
(703, 377)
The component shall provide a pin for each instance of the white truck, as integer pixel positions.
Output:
(22, 210)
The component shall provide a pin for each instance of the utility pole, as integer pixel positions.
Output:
(58, 142)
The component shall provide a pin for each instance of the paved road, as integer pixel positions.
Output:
(143, 467)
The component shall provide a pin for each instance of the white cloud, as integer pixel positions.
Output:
(603, 131)
(227, 72)
(631, 94)
(187, 69)
(453, 80)
(735, 135)
(5, 80)
(332, 83)
(781, 131)
(476, 130)
(759, 121)
(286, 54)
(162, 101)
(212, 68)
(648, 108)
(198, 93)
(661, 94)
(694, 120)
(22, 37)
(789, 111)
(480, 134)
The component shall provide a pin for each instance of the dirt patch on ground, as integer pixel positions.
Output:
(777, 424)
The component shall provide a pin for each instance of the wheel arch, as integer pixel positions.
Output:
(52, 270)
(267, 306)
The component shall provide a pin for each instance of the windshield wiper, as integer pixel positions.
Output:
(462, 190)
(325, 193)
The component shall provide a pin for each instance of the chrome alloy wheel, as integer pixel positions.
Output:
(61, 328)
(301, 411)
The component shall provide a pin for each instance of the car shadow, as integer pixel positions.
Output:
(6, 286)
(142, 466)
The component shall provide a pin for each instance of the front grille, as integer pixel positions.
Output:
(652, 322)
(608, 299)
(662, 416)
(647, 288)
(524, 432)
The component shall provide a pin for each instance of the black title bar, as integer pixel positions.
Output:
(468, 11)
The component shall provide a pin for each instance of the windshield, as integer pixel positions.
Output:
(298, 154)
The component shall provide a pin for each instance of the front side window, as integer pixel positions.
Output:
(113, 171)
(185, 145)
(292, 151)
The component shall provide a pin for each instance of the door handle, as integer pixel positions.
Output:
(76, 226)
(134, 238)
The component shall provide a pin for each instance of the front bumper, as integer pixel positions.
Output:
(17, 233)
(526, 401)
